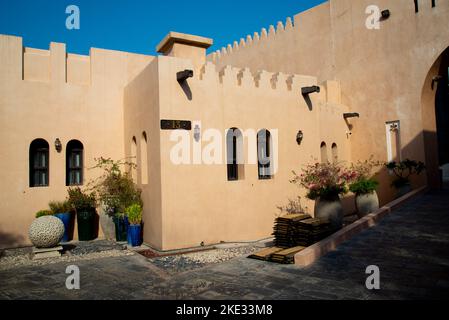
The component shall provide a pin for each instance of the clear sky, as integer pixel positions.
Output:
(139, 25)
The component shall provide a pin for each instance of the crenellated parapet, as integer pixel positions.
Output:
(261, 79)
(57, 67)
(257, 38)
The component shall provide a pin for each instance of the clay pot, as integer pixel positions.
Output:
(366, 203)
(330, 209)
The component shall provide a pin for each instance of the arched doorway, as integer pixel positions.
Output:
(435, 117)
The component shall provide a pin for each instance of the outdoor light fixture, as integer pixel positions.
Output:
(58, 145)
(308, 90)
(182, 76)
(351, 115)
(385, 14)
(197, 133)
(299, 137)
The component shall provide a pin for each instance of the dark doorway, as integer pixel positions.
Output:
(442, 109)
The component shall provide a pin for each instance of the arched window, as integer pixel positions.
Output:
(334, 153)
(74, 163)
(39, 163)
(234, 154)
(323, 149)
(134, 159)
(144, 158)
(264, 148)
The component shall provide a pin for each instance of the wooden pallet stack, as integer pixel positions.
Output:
(278, 255)
(292, 234)
(300, 230)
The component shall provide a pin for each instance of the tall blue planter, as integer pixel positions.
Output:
(121, 228)
(66, 219)
(135, 235)
(128, 235)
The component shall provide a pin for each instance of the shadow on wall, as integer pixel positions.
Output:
(186, 88)
(8, 240)
(420, 148)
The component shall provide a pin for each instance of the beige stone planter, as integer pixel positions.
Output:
(366, 203)
(107, 225)
(331, 210)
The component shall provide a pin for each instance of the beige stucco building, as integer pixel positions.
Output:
(112, 104)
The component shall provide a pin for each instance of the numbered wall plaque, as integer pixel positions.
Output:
(176, 125)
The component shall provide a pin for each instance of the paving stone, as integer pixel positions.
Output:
(410, 246)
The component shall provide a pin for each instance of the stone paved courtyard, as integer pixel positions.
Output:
(411, 248)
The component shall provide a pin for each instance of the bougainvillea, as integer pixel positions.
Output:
(325, 180)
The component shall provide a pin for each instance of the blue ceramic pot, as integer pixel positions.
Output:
(66, 219)
(128, 235)
(120, 229)
(135, 235)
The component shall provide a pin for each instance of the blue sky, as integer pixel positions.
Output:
(139, 25)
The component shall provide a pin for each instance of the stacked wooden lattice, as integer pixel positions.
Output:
(299, 230)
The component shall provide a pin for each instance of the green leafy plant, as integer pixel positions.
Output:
(364, 182)
(43, 213)
(80, 200)
(134, 213)
(115, 188)
(324, 180)
(363, 186)
(60, 206)
(404, 170)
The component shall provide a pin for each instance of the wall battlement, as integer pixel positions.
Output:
(279, 82)
(57, 66)
(243, 77)
(255, 39)
(38, 65)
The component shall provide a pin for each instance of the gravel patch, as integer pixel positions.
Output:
(195, 260)
(21, 257)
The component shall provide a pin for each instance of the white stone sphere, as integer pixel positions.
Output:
(46, 232)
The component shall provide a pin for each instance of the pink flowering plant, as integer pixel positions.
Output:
(364, 182)
(325, 180)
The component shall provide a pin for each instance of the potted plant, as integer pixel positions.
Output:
(116, 191)
(84, 205)
(43, 213)
(63, 211)
(325, 183)
(403, 171)
(364, 187)
(134, 214)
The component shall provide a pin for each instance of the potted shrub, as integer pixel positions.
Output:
(403, 171)
(364, 187)
(43, 213)
(84, 206)
(325, 183)
(63, 211)
(116, 191)
(134, 214)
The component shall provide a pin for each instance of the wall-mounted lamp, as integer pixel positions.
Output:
(182, 76)
(58, 145)
(197, 133)
(299, 137)
(351, 115)
(385, 14)
(308, 90)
